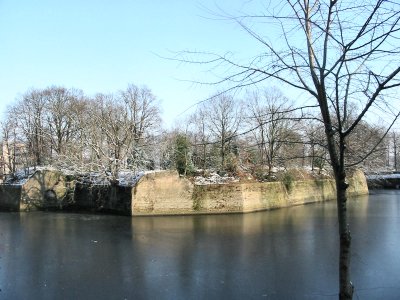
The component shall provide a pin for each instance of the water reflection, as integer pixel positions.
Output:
(286, 253)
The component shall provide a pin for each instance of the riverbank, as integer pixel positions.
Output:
(167, 193)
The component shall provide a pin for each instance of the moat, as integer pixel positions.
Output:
(288, 253)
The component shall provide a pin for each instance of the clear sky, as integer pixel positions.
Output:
(102, 45)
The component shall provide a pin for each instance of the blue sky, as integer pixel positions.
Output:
(101, 46)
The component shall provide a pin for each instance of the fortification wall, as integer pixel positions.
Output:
(52, 190)
(46, 189)
(167, 193)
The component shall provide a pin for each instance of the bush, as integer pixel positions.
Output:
(288, 180)
(231, 163)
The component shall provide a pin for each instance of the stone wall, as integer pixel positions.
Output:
(52, 190)
(167, 193)
(159, 193)
(162, 192)
(10, 197)
(101, 198)
(46, 189)
(357, 183)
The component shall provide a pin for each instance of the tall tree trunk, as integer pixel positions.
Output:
(346, 287)
(395, 151)
(339, 170)
(223, 152)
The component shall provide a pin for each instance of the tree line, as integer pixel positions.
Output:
(67, 129)
(122, 132)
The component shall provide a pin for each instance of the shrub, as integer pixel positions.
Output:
(288, 180)
(183, 161)
(231, 163)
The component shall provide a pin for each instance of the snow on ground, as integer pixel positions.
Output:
(214, 178)
(383, 176)
(129, 178)
(126, 178)
(21, 176)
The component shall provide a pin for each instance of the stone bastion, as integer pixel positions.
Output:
(167, 193)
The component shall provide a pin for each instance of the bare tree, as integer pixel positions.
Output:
(366, 145)
(60, 121)
(201, 139)
(79, 155)
(10, 145)
(45, 126)
(108, 133)
(31, 115)
(315, 140)
(396, 150)
(340, 53)
(269, 115)
(143, 111)
(223, 121)
(120, 129)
